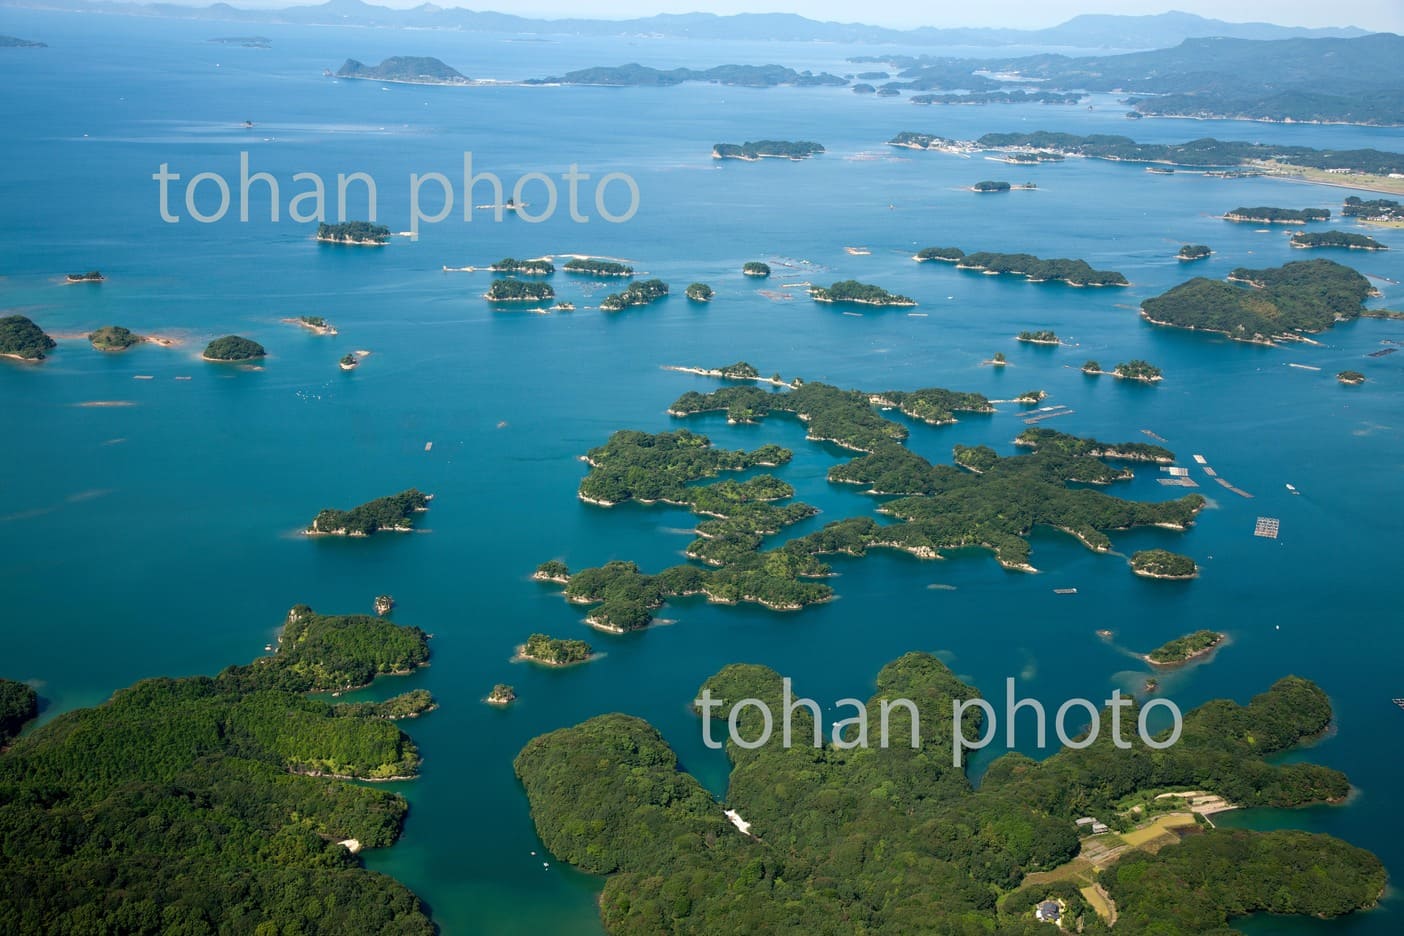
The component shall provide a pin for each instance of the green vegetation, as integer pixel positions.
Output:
(348, 361)
(1091, 367)
(413, 69)
(361, 233)
(699, 292)
(989, 186)
(233, 348)
(19, 705)
(553, 570)
(1137, 370)
(1051, 440)
(314, 321)
(1161, 563)
(114, 338)
(396, 512)
(1185, 648)
(21, 338)
(411, 704)
(998, 359)
(756, 268)
(761, 149)
(861, 293)
(554, 652)
(594, 267)
(1376, 209)
(524, 267)
(502, 694)
(1351, 377)
(1034, 269)
(948, 254)
(1194, 252)
(203, 805)
(1043, 336)
(918, 849)
(515, 290)
(1266, 215)
(738, 371)
(1306, 296)
(1337, 239)
(92, 276)
(635, 294)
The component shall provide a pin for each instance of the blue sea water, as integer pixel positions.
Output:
(160, 537)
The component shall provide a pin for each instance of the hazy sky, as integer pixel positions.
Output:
(1382, 15)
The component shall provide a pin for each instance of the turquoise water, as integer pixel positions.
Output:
(160, 537)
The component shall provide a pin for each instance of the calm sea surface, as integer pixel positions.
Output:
(160, 537)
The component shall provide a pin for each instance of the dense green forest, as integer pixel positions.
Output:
(785, 149)
(861, 293)
(756, 268)
(1137, 370)
(990, 185)
(699, 292)
(1281, 302)
(353, 232)
(537, 267)
(595, 267)
(21, 338)
(418, 69)
(1194, 252)
(1190, 645)
(1042, 336)
(1034, 269)
(1161, 563)
(1376, 209)
(188, 805)
(394, 512)
(1071, 445)
(894, 839)
(19, 705)
(556, 652)
(233, 348)
(635, 294)
(1337, 239)
(515, 290)
(1265, 214)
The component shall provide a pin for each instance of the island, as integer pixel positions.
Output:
(1351, 378)
(636, 294)
(1267, 215)
(514, 290)
(1193, 252)
(563, 307)
(1051, 440)
(247, 42)
(1137, 370)
(354, 233)
(22, 340)
(316, 324)
(383, 604)
(92, 276)
(756, 268)
(536, 267)
(396, 513)
(610, 797)
(854, 292)
(1265, 306)
(233, 348)
(990, 186)
(593, 266)
(699, 292)
(1374, 211)
(349, 362)
(746, 76)
(1184, 649)
(218, 788)
(501, 694)
(1033, 269)
(13, 42)
(114, 338)
(553, 570)
(863, 88)
(19, 705)
(405, 69)
(552, 651)
(767, 149)
(1163, 564)
(1337, 239)
(1043, 336)
(1017, 96)
(997, 360)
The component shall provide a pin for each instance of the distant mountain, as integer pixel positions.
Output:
(10, 42)
(1097, 31)
(406, 68)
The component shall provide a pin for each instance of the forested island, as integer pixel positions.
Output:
(609, 796)
(92, 276)
(1268, 215)
(515, 290)
(114, 338)
(852, 291)
(540, 648)
(1279, 303)
(396, 513)
(1033, 269)
(756, 268)
(746, 76)
(635, 294)
(1194, 252)
(1043, 336)
(763, 149)
(191, 803)
(1186, 648)
(1017, 96)
(1351, 378)
(1137, 370)
(536, 267)
(355, 233)
(233, 348)
(20, 338)
(1163, 564)
(1336, 239)
(405, 69)
(349, 362)
(1374, 211)
(316, 324)
(501, 694)
(699, 292)
(990, 186)
(596, 267)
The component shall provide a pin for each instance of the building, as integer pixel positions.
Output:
(1048, 912)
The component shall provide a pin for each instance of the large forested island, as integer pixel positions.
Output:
(635, 294)
(1263, 306)
(203, 805)
(407, 69)
(355, 233)
(514, 290)
(990, 185)
(536, 267)
(21, 338)
(852, 291)
(233, 348)
(747, 76)
(1163, 564)
(1269, 215)
(1344, 239)
(917, 848)
(594, 266)
(762, 149)
(396, 513)
(1033, 269)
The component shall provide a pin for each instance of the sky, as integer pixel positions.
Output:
(1380, 15)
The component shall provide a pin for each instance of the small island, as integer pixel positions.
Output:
(997, 360)
(1267, 215)
(14, 42)
(536, 267)
(1193, 252)
(233, 348)
(563, 307)
(852, 291)
(247, 42)
(1163, 564)
(1044, 337)
(989, 186)
(1336, 239)
(405, 69)
(767, 149)
(349, 362)
(699, 292)
(1184, 649)
(637, 294)
(314, 323)
(513, 290)
(1137, 370)
(1033, 269)
(501, 694)
(1351, 378)
(552, 651)
(383, 605)
(596, 267)
(92, 276)
(756, 268)
(552, 570)
(395, 513)
(354, 233)
(114, 338)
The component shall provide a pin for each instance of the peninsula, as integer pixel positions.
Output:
(395, 513)
(354, 233)
(232, 348)
(405, 69)
(1184, 649)
(1033, 269)
(767, 149)
(854, 292)
(1163, 564)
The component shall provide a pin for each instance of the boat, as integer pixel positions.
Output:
(1065, 591)
(1293, 489)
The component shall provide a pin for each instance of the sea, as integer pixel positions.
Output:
(161, 535)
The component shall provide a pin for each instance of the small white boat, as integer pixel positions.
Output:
(1293, 489)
